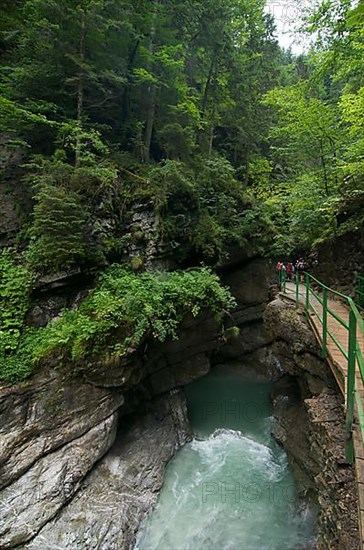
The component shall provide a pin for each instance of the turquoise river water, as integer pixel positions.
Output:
(230, 488)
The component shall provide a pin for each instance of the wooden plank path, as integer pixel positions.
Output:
(339, 366)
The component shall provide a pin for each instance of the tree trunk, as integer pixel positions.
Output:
(127, 88)
(152, 94)
(247, 169)
(80, 84)
(149, 123)
(211, 140)
(324, 168)
(207, 88)
(204, 140)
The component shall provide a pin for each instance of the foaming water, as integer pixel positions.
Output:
(230, 488)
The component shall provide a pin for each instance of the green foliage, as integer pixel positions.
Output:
(65, 196)
(231, 333)
(352, 109)
(174, 85)
(136, 263)
(58, 231)
(15, 119)
(119, 315)
(260, 170)
(205, 208)
(15, 283)
(317, 139)
(306, 130)
(356, 16)
(233, 139)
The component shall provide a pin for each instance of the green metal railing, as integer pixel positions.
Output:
(359, 290)
(315, 296)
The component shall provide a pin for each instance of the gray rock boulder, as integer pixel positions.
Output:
(43, 490)
(115, 497)
(50, 410)
(250, 283)
(295, 347)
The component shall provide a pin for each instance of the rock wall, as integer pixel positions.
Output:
(250, 286)
(35, 498)
(337, 261)
(117, 494)
(15, 202)
(335, 480)
(57, 426)
(310, 425)
(40, 416)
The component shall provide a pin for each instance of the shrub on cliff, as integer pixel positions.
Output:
(15, 281)
(203, 209)
(119, 314)
(67, 200)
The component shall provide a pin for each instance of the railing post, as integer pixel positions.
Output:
(307, 293)
(297, 288)
(350, 389)
(284, 279)
(324, 323)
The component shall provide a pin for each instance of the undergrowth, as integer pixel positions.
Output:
(117, 316)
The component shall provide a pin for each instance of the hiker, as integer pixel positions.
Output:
(289, 271)
(301, 266)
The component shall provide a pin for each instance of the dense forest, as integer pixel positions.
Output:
(188, 108)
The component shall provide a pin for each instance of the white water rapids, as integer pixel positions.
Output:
(230, 488)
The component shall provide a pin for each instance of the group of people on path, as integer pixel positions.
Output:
(290, 268)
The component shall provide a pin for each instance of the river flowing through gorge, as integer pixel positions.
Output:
(231, 487)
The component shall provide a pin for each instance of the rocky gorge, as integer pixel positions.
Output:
(156, 159)
(83, 454)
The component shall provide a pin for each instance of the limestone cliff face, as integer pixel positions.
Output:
(57, 426)
(338, 260)
(113, 499)
(37, 496)
(250, 286)
(310, 425)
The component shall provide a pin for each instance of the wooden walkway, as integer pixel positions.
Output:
(338, 365)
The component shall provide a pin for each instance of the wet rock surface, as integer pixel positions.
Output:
(250, 287)
(317, 453)
(311, 426)
(292, 432)
(36, 497)
(332, 258)
(295, 346)
(120, 490)
(47, 412)
(335, 480)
